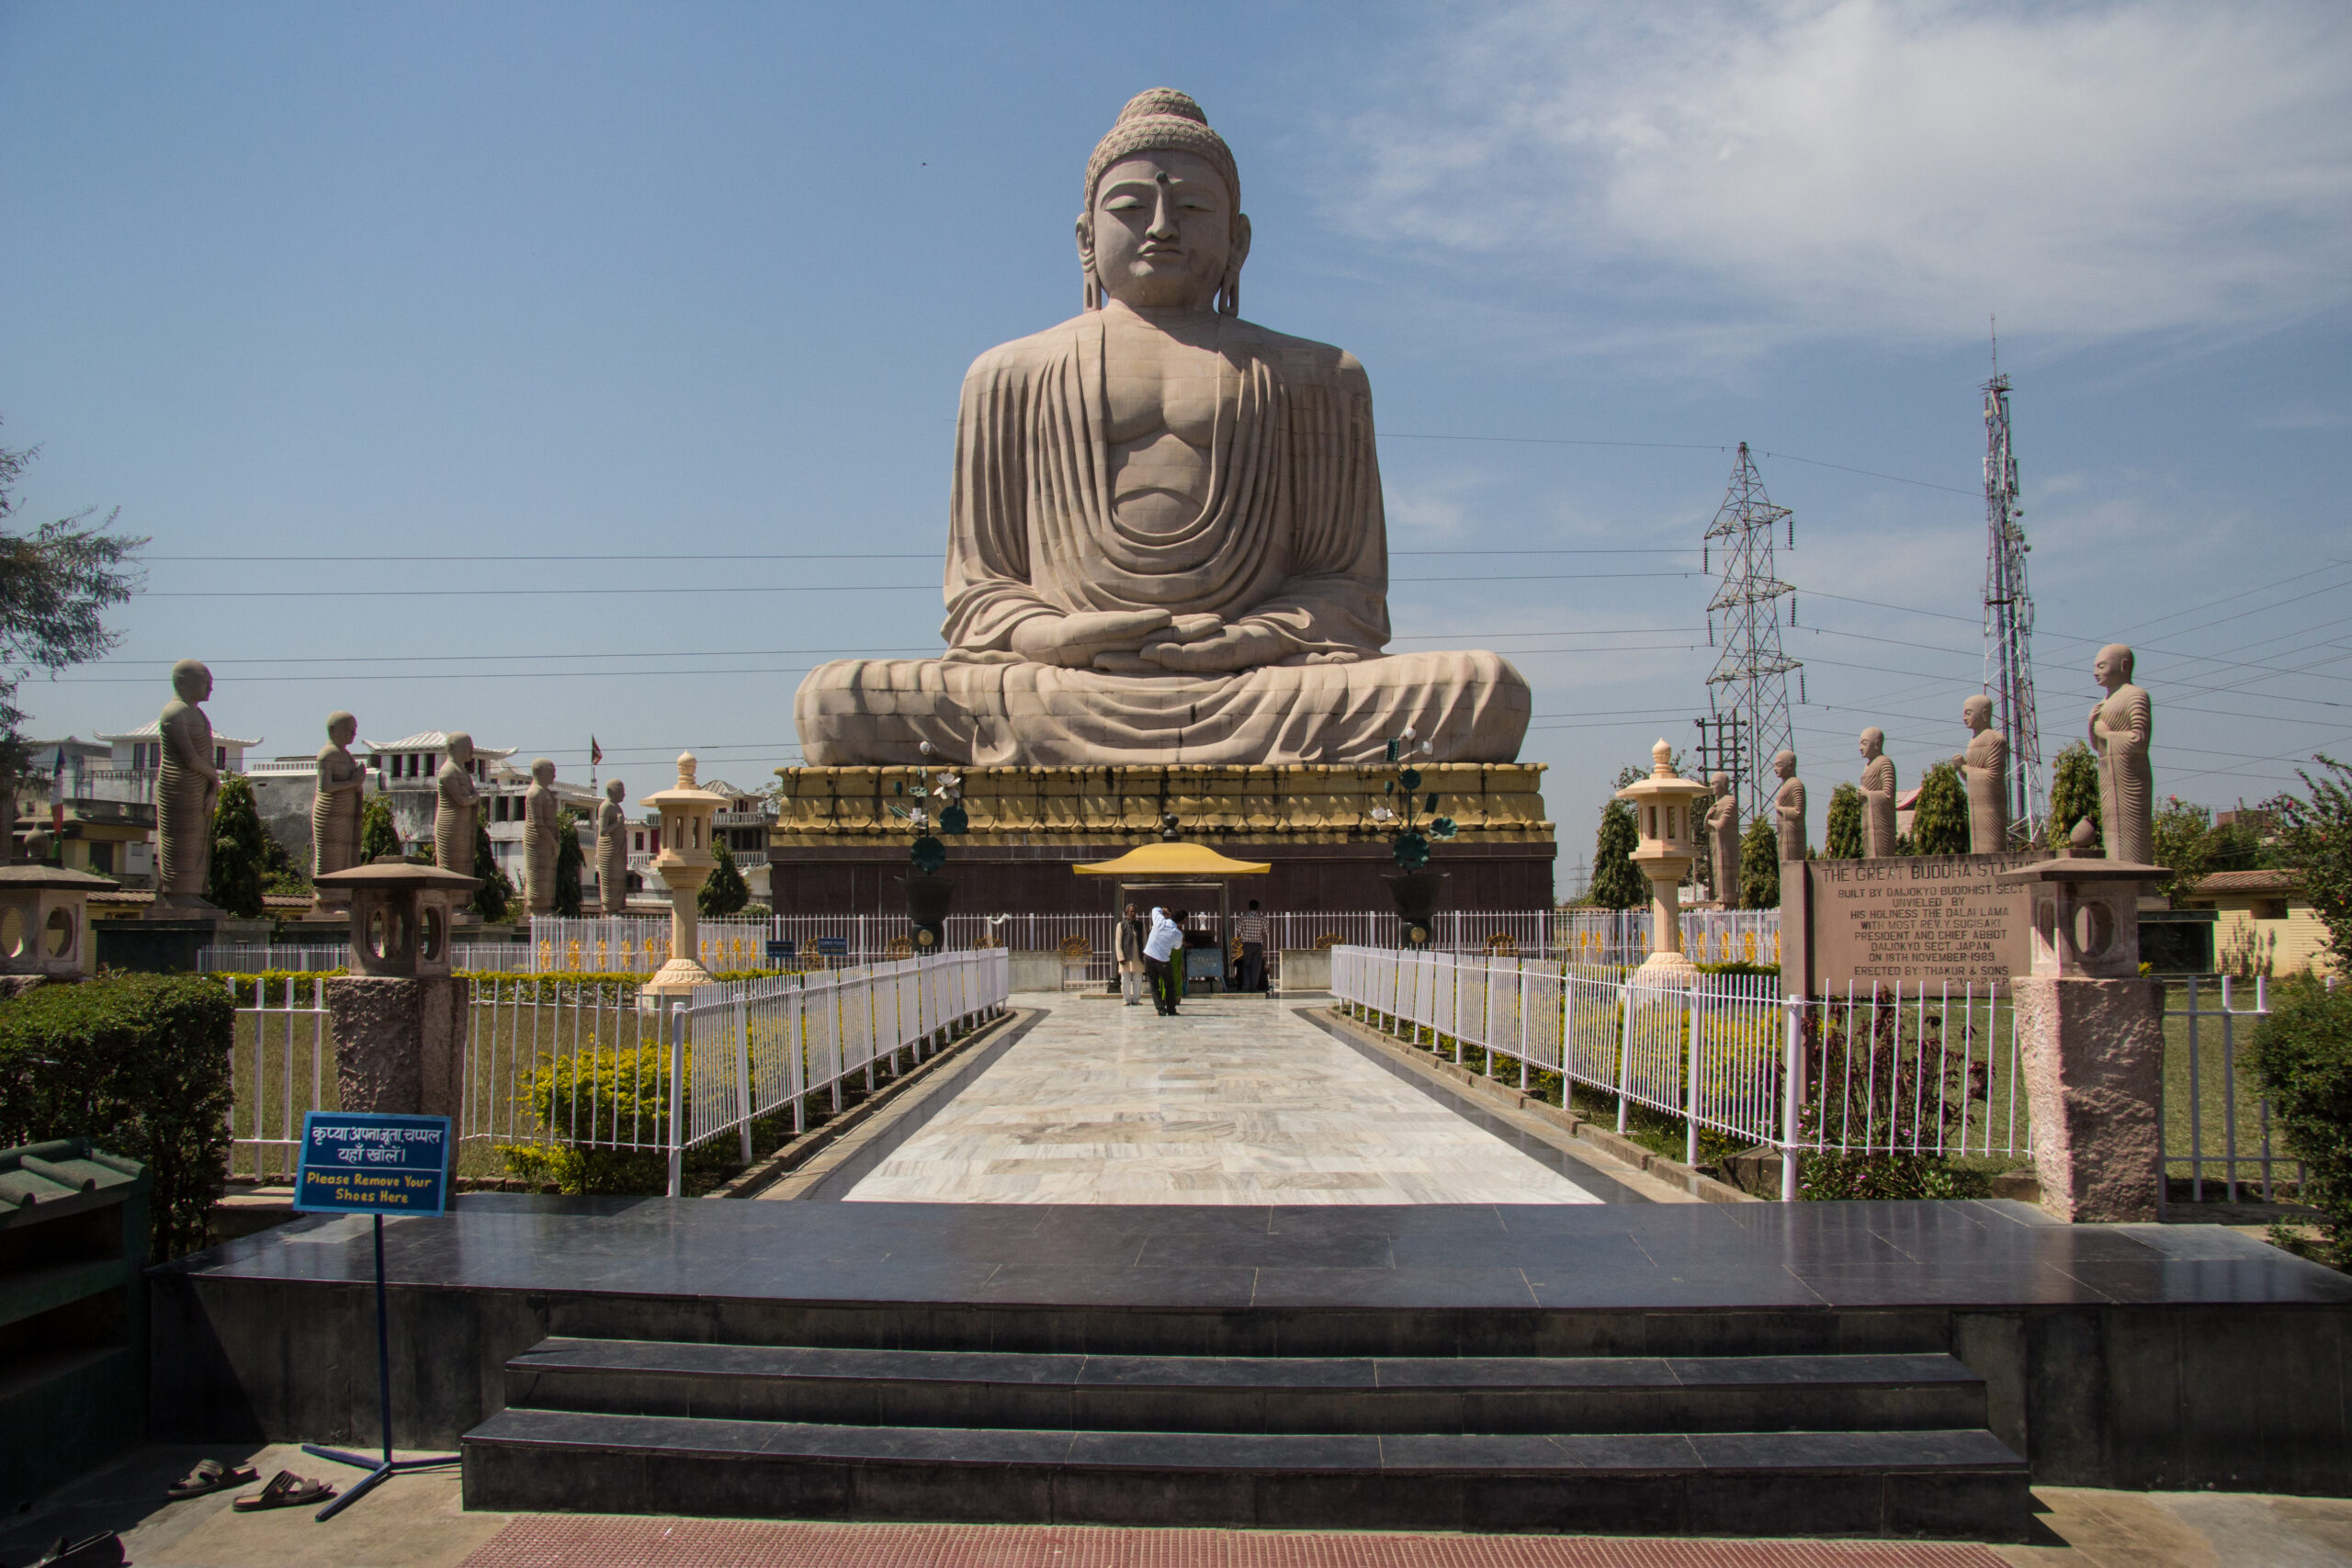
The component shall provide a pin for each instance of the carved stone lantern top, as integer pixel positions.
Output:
(2086, 915)
(44, 919)
(1663, 805)
(687, 810)
(401, 916)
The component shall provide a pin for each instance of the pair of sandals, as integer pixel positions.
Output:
(285, 1490)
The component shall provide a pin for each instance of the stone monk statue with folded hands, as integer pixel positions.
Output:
(1167, 541)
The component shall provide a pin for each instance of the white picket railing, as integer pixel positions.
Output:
(1889, 1071)
(281, 1065)
(596, 1064)
(1709, 936)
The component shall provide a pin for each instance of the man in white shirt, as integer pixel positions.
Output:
(1249, 931)
(1166, 940)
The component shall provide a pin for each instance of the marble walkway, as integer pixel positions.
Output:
(1234, 1101)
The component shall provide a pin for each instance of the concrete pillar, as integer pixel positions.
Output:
(2090, 1036)
(399, 1042)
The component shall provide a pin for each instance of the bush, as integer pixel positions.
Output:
(1759, 867)
(2303, 1055)
(613, 1094)
(1862, 1085)
(239, 849)
(1842, 835)
(2074, 792)
(1616, 885)
(569, 863)
(2317, 838)
(139, 1064)
(379, 836)
(723, 891)
(1939, 815)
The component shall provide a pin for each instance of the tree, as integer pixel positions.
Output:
(495, 893)
(2074, 792)
(1759, 867)
(723, 892)
(1940, 813)
(55, 583)
(1844, 829)
(2184, 844)
(2315, 837)
(281, 874)
(1615, 884)
(238, 850)
(378, 836)
(568, 862)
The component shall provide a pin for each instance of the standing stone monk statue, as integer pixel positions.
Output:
(334, 808)
(539, 837)
(1986, 766)
(1878, 794)
(1723, 840)
(612, 851)
(1787, 805)
(2119, 729)
(187, 785)
(1166, 540)
(456, 807)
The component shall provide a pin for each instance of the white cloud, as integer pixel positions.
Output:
(1851, 167)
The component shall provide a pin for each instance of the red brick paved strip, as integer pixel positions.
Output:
(587, 1542)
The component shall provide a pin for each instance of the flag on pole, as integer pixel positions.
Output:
(595, 752)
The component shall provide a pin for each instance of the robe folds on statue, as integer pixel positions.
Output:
(1291, 538)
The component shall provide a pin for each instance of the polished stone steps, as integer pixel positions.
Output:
(1938, 1484)
(1878, 1444)
(1246, 1393)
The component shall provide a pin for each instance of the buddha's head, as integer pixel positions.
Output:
(614, 791)
(460, 747)
(343, 728)
(1163, 228)
(542, 771)
(1784, 764)
(2112, 668)
(1977, 714)
(191, 682)
(1874, 743)
(1720, 783)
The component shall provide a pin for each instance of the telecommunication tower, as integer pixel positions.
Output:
(1749, 692)
(2009, 611)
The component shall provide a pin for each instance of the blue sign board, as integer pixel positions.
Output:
(779, 948)
(354, 1163)
(833, 946)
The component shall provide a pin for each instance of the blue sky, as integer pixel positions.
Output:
(671, 303)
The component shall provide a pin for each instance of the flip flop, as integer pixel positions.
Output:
(101, 1550)
(209, 1475)
(286, 1490)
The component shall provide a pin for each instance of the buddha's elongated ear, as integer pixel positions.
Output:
(1092, 284)
(1229, 289)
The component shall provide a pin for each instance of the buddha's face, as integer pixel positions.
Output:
(543, 772)
(191, 682)
(2112, 668)
(343, 729)
(1784, 766)
(1977, 714)
(1872, 743)
(614, 791)
(1163, 231)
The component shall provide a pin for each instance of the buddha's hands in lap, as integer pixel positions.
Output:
(1228, 649)
(1074, 641)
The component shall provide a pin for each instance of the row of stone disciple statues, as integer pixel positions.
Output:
(188, 789)
(2118, 733)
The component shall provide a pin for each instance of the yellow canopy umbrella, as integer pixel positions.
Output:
(1174, 860)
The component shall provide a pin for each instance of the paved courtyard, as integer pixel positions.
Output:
(1234, 1101)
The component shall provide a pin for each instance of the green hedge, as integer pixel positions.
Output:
(2302, 1054)
(137, 1063)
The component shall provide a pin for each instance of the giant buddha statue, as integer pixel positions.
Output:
(1166, 535)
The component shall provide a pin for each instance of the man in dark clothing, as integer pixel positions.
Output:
(1251, 932)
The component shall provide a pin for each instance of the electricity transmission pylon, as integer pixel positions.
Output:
(1750, 684)
(2008, 612)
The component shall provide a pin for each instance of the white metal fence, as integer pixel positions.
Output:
(595, 1066)
(2216, 1122)
(1889, 1071)
(253, 958)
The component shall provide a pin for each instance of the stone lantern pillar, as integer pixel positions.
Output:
(44, 923)
(685, 863)
(1665, 805)
(2090, 1036)
(399, 1020)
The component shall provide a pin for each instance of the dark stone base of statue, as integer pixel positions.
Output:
(836, 848)
(400, 1044)
(928, 900)
(163, 942)
(1416, 893)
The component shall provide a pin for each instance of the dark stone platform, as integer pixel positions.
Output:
(2133, 1355)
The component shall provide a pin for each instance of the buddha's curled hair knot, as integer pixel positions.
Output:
(1162, 120)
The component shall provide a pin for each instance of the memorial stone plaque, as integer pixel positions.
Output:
(1912, 919)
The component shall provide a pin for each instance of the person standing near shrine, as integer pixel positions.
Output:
(1249, 929)
(1126, 948)
(1166, 938)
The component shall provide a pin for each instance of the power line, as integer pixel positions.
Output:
(1750, 679)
